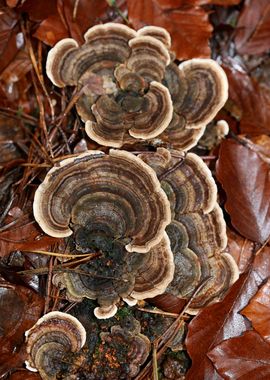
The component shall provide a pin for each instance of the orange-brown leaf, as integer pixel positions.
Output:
(258, 311)
(245, 178)
(241, 250)
(20, 309)
(243, 357)
(252, 100)
(188, 24)
(253, 28)
(223, 320)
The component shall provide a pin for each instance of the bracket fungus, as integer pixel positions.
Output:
(114, 204)
(119, 205)
(197, 232)
(54, 336)
(117, 193)
(130, 89)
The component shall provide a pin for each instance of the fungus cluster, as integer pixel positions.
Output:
(153, 218)
(56, 347)
(131, 90)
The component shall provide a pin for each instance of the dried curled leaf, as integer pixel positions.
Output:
(246, 181)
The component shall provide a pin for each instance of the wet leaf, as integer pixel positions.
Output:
(258, 311)
(253, 28)
(243, 357)
(241, 250)
(223, 320)
(20, 308)
(246, 181)
(251, 101)
(187, 23)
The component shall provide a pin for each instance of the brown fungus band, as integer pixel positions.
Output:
(197, 232)
(130, 88)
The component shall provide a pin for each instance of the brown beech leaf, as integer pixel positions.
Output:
(168, 302)
(187, 23)
(258, 311)
(253, 28)
(262, 146)
(225, 2)
(241, 249)
(17, 68)
(251, 101)
(8, 34)
(63, 24)
(25, 375)
(25, 236)
(20, 309)
(38, 10)
(246, 181)
(243, 357)
(223, 320)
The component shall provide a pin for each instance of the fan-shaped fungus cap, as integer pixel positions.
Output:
(53, 335)
(156, 273)
(198, 231)
(222, 274)
(131, 203)
(199, 89)
(105, 46)
(186, 180)
(140, 117)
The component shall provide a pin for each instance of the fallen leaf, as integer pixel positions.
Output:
(38, 10)
(25, 375)
(253, 28)
(225, 3)
(262, 146)
(258, 311)
(241, 250)
(20, 309)
(26, 236)
(187, 23)
(223, 320)
(8, 32)
(17, 68)
(245, 178)
(251, 100)
(62, 23)
(168, 302)
(243, 357)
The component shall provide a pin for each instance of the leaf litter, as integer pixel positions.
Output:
(225, 340)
